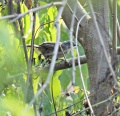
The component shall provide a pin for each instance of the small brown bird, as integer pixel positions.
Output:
(47, 49)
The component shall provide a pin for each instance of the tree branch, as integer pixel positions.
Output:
(64, 65)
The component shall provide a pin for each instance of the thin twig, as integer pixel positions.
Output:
(8, 16)
(72, 11)
(97, 104)
(91, 95)
(79, 64)
(52, 96)
(43, 25)
(71, 43)
(29, 68)
(22, 34)
(33, 21)
(36, 9)
(63, 52)
(118, 30)
(115, 111)
(118, 27)
(54, 55)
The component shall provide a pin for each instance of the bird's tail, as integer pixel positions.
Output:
(35, 46)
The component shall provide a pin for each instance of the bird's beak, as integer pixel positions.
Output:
(74, 44)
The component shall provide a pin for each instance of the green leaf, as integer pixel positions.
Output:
(14, 107)
(55, 84)
(11, 58)
(64, 35)
(47, 16)
(118, 1)
(26, 22)
(46, 101)
(85, 77)
(65, 78)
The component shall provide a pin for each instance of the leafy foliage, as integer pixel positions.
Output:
(13, 67)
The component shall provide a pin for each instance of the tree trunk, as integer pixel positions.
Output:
(101, 82)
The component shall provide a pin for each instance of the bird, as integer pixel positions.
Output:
(47, 48)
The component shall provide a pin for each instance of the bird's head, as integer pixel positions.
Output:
(66, 45)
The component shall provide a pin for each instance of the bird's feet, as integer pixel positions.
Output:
(67, 63)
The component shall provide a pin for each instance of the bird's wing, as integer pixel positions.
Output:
(49, 45)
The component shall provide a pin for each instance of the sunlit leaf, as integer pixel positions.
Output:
(15, 107)
(118, 1)
(26, 22)
(12, 59)
(55, 84)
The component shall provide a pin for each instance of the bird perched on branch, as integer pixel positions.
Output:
(47, 49)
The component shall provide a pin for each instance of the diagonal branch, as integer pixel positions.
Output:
(63, 65)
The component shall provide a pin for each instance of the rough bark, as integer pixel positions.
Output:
(100, 81)
(97, 63)
(98, 68)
